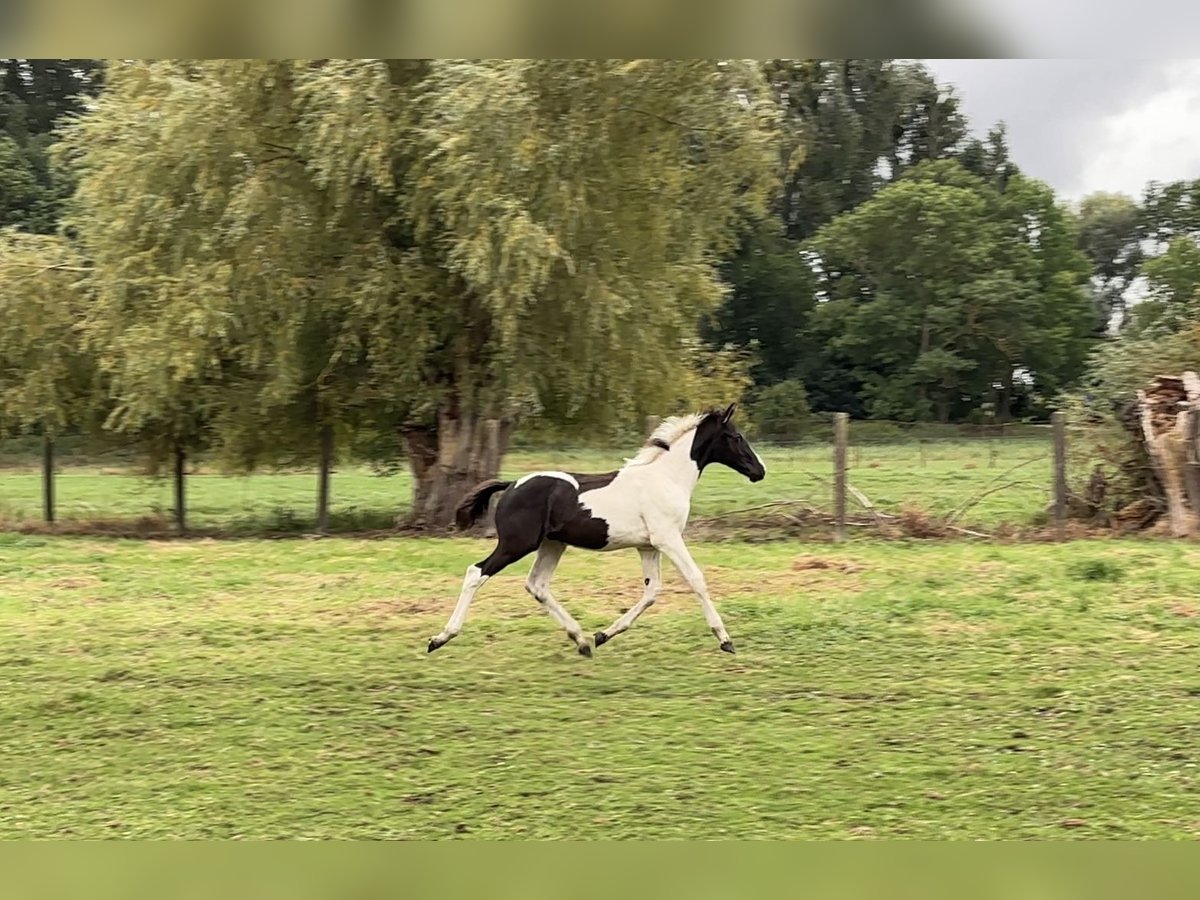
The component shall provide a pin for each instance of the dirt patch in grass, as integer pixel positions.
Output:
(951, 626)
(808, 563)
(73, 583)
(390, 609)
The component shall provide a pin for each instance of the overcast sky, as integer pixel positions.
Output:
(1085, 125)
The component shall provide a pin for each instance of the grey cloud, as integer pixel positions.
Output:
(1054, 108)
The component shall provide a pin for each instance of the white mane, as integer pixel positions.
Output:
(671, 430)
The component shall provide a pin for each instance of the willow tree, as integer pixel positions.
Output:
(46, 378)
(435, 247)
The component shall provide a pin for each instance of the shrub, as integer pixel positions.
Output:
(781, 410)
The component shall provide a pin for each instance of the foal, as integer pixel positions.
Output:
(644, 504)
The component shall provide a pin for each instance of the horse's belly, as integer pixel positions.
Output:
(622, 516)
(624, 539)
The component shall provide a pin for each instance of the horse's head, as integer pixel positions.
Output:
(719, 441)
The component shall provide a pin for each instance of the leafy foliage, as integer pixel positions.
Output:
(409, 245)
(35, 95)
(772, 293)
(1110, 232)
(1174, 279)
(781, 410)
(46, 378)
(942, 287)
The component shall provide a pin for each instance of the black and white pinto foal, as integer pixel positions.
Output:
(644, 504)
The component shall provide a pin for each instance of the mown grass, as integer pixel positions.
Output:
(281, 689)
(936, 477)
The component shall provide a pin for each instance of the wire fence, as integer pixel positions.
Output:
(975, 480)
(966, 483)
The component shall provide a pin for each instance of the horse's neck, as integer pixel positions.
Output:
(677, 465)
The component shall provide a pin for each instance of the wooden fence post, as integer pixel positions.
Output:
(1058, 421)
(652, 423)
(180, 500)
(841, 422)
(326, 465)
(47, 477)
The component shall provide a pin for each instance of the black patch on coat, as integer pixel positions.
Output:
(660, 444)
(548, 508)
(591, 482)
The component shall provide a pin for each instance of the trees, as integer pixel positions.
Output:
(781, 410)
(1171, 210)
(772, 292)
(46, 377)
(287, 257)
(1110, 233)
(34, 96)
(892, 268)
(857, 124)
(433, 247)
(1174, 282)
(942, 289)
(849, 127)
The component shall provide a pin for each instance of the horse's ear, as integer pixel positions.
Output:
(729, 411)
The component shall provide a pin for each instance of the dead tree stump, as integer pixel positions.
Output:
(1167, 424)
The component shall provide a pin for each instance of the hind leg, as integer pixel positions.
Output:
(538, 586)
(502, 556)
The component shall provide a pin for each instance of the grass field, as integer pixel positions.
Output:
(281, 689)
(936, 477)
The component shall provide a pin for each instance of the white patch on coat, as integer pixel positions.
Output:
(647, 500)
(563, 475)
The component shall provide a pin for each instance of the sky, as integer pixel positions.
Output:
(1085, 125)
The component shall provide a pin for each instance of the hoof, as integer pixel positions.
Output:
(434, 643)
(727, 646)
(600, 638)
(585, 650)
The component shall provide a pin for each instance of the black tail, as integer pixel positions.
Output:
(476, 501)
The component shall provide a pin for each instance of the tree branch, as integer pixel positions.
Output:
(42, 270)
(661, 118)
(283, 147)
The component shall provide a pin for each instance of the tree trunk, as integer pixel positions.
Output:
(923, 388)
(1004, 404)
(323, 478)
(448, 460)
(943, 409)
(47, 477)
(180, 506)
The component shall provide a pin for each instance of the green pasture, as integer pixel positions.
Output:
(273, 689)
